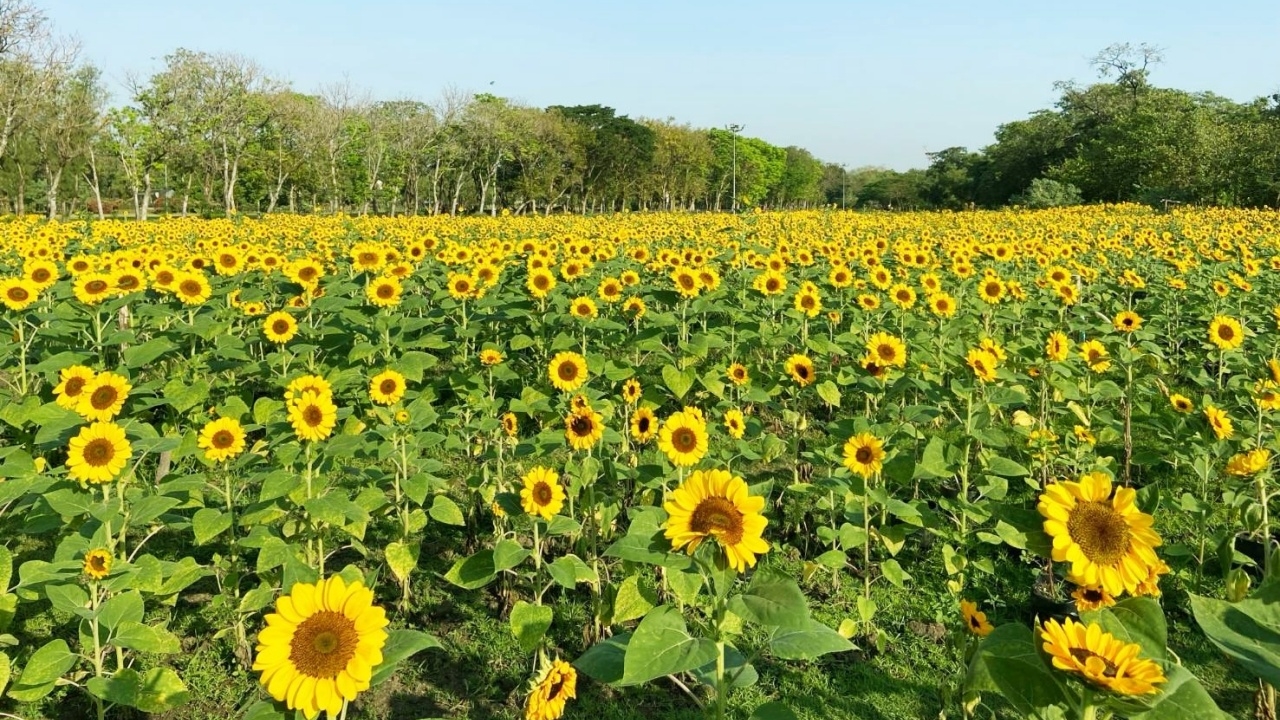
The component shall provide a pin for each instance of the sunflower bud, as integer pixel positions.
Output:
(1237, 585)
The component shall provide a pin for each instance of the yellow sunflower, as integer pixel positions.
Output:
(886, 350)
(983, 364)
(557, 684)
(321, 645)
(583, 428)
(631, 391)
(387, 387)
(1090, 598)
(1226, 332)
(1219, 422)
(716, 504)
(279, 327)
(307, 383)
(1099, 657)
(1095, 355)
(735, 423)
(568, 371)
(1181, 403)
(644, 425)
(540, 283)
(384, 291)
(1249, 463)
(72, 381)
(221, 439)
(92, 288)
(1109, 542)
(313, 416)
(490, 357)
(800, 368)
(462, 286)
(1127, 321)
(98, 453)
(738, 375)
(192, 288)
(102, 398)
(583, 308)
(942, 304)
(683, 439)
(18, 293)
(975, 621)
(510, 424)
(97, 563)
(864, 454)
(542, 494)
(1058, 347)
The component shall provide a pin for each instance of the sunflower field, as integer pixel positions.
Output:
(777, 465)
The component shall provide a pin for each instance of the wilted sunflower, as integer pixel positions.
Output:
(683, 438)
(583, 428)
(735, 423)
(1095, 355)
(97, 563)
(1107, 539)
(1099, 657)
(975, 621)
(568, 371)
(1127, 321)
(18, 293)
(864, 454)
(738, 375)
(103, 397)
(1181, 403)
(313, 416)
(98, 453)
(321, 645)
(1219, 422)
(542, 494)
(72, 381)
(221, 439)
(1249, 463)
(387, 387)
(384, 291)
(886, 350)
(1226, 332)
(800, 368)
(644, 425)
(983, 364)
(1058, 347)
(716, 504)
(552, 689)
(279, 327)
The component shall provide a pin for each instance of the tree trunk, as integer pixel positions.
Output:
(55, 177)
(146, 196)
(94, 183)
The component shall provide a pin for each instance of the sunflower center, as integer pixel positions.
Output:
(99, 452)
(684, 440)
(1094, 663)
(323, 644)
(387, 387)
(74, 386)
(280, 327)
(643, 425)
(40, 275)
(580, 425)
(223, 439)
(863, 455)
(1092, 595)
(802, 371)
(1226, 332)
(542, 493)
(313, 415)
(18, 294)
(385, 291)
(1100, 531)
(96, 286)
(308, 274)
(103, 398)
(718, 516)
(190, 287)
(886, 352)
(98, 564)
(567, 371)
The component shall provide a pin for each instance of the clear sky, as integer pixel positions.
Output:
(862, 83)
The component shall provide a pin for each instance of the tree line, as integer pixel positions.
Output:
(213, 133)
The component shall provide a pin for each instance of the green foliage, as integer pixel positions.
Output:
(1047, 193)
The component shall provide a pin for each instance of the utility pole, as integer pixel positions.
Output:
(735, 129)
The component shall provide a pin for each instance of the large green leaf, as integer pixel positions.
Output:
(604, 660)
(474, 571)
(661, 645)
(1014, 667)
(1135, 620)
(1181, 697)
(529, 623)
(1247, 631)
(401, 644)
(807, 641)
(42, 671)
(773, 599)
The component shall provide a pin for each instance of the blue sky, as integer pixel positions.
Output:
(862, 83)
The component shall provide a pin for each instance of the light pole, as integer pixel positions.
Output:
(735, 129)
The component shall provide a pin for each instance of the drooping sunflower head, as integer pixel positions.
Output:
(321, 645)
(1100, 658)
(864, 454)
(97, 563)
(551, 691)
(683, 439)
(510, 424)
(542, 494)
(716, 504)
(221, 439)
(1250, 463)
(387, 387)
(568, 371)
(801, 369)
(975, 621)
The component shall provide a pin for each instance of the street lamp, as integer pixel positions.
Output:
(735, 129)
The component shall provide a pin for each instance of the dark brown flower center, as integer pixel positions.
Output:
(313, 415)
(385, 291)
(323, 644)
(581, 425)
(388, 386)
(542, 493)
(74, 386)
(280, 327)
(718, 516)
(18, 294)
(886, 352)
(223, 439)
(864, 455)
(41, 275)
(98, 564)
(96, 287)
(1100, 531)
(190, 288)
(103, 397)
(99, 452)
(567, 371)
(684, 440)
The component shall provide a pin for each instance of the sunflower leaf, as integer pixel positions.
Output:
(400, 645)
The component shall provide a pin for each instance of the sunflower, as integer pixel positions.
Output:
(1084, 435)
(72, 381)
(1226, 332)
(1058, 347)
(1220, 422)
(557, 684)
(98, 453)
(384, 291)
(983, 364)
(738, 375)
(634, 307)
(902, 296)
(1127, 321)
(319, 648)
(313, 416)
(583, 428)
(1099, 657)
(686, 282)
(568, 371)
(1095, 355)
(540, 283)
(1067, 293)
(490, 357)
(991, 290)
(886, 350)
(1273, 366)
(716, 504)
(1267, 394)
(18, 293)
(942, 304)
(97, 563)
(644, 425)
(1249, 463)
(683, 438)
(808, 302)
(387, 387)
(307, 383)
(510, 424)
(1108, 541)
(800, 368)
(610, 290)
(1090, 598)
(92, 288)
(1181, 403)
(631, 391)
(868, 302)
(221, 439)
(864, 454)
(42, 273)
(279, 327)
(975, 621)
(193, 288)
(461, 286)
(583, 308)
(542, 494)
(102, 398)
(735, 423)
(770, 282)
